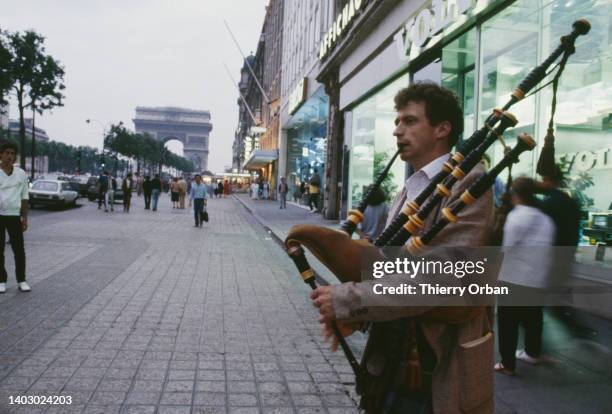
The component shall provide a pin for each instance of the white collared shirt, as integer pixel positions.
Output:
(529, 235)
(421, 178)
(13, 189)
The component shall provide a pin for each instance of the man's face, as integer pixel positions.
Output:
(413, 130)
(8, 156)
(198, 179)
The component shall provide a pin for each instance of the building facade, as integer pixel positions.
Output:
(243, 143)
(190, 127)
(263, 157)
(39, 133)
(304, 104)
(481, 50)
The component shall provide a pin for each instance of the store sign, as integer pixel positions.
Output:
(421, 29)
(298, 96)
(588, 160)
(339, 25)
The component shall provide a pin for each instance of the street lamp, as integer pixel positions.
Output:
(104, 129)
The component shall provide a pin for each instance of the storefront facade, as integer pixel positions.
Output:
(306, 143)
(304, 103)
(481, 50)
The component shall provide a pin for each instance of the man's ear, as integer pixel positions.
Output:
(443, 130)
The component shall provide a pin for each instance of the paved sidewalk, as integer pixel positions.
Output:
(576, 376)
(279, 222)
(142, 313)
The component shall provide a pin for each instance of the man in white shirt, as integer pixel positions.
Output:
(529, 236)
(13, 213)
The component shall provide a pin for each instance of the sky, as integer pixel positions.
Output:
(119, 54)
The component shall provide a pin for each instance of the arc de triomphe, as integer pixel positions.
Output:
(189, 126)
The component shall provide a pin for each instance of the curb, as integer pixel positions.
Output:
(278, 239)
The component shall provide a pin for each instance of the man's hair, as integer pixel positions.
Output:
(440, 105)
(9, 145)
(525, 188)
(198, 175)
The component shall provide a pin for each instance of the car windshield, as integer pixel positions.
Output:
(45, 186)
(599, 221)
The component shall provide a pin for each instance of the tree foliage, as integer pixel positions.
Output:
(6, 79)
(144, 148)
(36, 78)
(62, 157)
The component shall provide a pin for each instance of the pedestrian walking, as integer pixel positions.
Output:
(102, 189)
(182, 192)
(198, 197)
(147, 190)
(283, 189)
(528, 238)
(139, 184)
(174, 192)
(260, 189)
(220, 189)
(374, 216)
(110, 192)
(127, 187)
(226, 188)
(314, 190)
(302, 191)
(13, 214)
(266, 191)
(156, 189)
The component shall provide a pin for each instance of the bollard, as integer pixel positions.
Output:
(600, 252)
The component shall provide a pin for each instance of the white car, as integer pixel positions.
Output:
(53, 192)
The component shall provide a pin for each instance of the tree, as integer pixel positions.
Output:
(38, 79)
(144, 148)
(6, 80)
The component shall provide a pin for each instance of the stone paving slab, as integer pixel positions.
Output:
(576, 376)
(153, 315)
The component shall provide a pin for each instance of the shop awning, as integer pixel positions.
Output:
(260, 158)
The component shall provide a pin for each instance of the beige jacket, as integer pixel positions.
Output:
(463, 378)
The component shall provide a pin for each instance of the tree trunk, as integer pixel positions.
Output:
(32, 173)
(22, 138)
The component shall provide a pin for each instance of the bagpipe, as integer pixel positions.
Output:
(343, 256)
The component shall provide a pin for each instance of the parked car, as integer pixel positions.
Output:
(92, 189)
(53, 192)
(54, 176)
(600, 228)
(82, 182)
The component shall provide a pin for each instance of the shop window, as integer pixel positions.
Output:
(458, 75)
(373, 144)
(306, 145)
(509, 50)
(520, 37)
